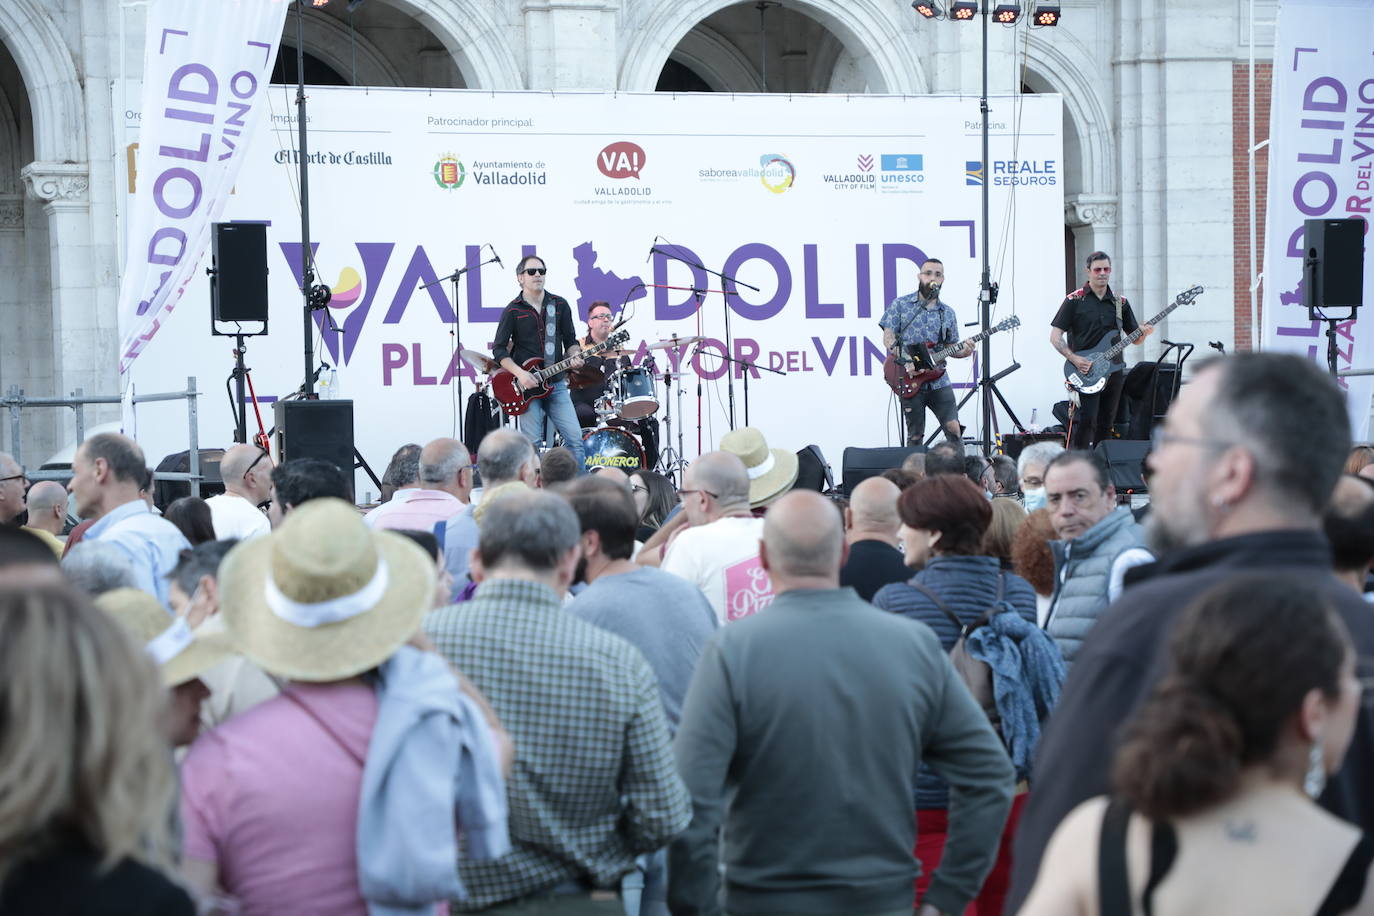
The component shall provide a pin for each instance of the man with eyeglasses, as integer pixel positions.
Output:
(589, 383)
(921, 318)
(1087, 315)
(719, 550)
(12, 484)
(1098, 542)
(1243, 467)
(247, 473)
(538, 325)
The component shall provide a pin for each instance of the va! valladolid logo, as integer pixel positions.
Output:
(449, 173)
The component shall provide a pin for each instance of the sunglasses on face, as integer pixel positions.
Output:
(535, 271)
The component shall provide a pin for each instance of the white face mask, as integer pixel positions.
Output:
(1034, 499)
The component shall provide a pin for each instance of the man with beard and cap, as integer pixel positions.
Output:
(917, 318)
(1244, 465)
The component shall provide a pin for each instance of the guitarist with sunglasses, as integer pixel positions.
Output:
(539, 324)
(1088, 315)
(921, 318)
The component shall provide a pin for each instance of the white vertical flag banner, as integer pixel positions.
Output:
(205, 78)
(1321, 155)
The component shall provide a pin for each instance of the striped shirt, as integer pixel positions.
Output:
(594, 782)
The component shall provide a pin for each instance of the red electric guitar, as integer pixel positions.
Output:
(515, 401)
(927, 366)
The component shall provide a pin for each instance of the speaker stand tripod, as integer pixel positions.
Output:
(992, 389)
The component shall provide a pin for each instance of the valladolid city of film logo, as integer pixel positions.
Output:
(449, 173)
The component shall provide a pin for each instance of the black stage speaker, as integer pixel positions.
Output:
(1125, 460)
(1015, 443)
(863, 463)
(813, 473)
(316, 429)
(1335, 269)
(239, 292)
(166, 492)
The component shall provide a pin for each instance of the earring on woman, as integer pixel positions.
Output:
(1315, 779)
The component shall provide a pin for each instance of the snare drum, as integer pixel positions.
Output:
(612, 448)
(635, 393)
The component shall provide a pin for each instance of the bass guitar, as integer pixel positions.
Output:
(514, 400)
(1106, 357)
(926, 366)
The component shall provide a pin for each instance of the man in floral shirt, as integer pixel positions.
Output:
(921, 317)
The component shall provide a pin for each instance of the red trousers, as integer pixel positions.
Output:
(931, 826)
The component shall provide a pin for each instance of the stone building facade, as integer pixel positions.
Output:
(1156, 99)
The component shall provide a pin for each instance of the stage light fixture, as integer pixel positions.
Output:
(1006, 13)
(926, 8)
(963, 10)
(1046, 14)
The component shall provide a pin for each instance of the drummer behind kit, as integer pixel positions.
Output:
(626, 436)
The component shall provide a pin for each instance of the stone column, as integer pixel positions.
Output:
(570, 44)
(83, 341)
(1092, 217)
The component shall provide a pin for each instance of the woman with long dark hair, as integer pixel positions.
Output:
(1214, 783)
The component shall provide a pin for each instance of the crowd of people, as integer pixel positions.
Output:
(971, 685)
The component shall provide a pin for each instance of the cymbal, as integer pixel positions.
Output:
(482, 361)
(674, 342)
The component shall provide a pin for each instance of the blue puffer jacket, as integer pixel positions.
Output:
(968, 586)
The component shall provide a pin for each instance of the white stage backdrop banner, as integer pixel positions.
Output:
(827, 204)
(1320, 160)
(205, 71)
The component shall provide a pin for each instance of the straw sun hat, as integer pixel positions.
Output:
(324, 597)
(180, 654)
(772, 472)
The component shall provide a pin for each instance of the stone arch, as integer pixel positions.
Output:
(716, 61)
(329, 40)
(50, 77)
(11, 154)
(868, 29)
(1055, 64)
(478, 43)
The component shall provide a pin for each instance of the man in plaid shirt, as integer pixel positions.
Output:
(594, 782)
(921, 317)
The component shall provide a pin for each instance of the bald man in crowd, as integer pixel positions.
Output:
(871, 524)
(719, 552)
(883, 693)
(47, 501)
(247, 474)
(444, 491)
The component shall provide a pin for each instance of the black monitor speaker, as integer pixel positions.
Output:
(315, 429)
(863, 463)
(1125, 460)
(239, 291)
(1334, 271)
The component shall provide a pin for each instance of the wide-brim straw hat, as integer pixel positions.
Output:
(180, 653)
(323, 597)
(772, 472)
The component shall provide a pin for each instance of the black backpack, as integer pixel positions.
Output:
(975, 673)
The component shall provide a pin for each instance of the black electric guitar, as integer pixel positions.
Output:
(514, 400)
(1106, 357)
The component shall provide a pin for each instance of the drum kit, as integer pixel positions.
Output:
(626, 434)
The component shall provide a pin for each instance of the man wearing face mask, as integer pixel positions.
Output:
(921, 317)
(1030, 467)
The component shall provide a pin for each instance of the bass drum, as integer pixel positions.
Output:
(612, 448)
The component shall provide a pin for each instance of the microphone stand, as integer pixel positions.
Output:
(730, 378)
(457, 341)
(745, 365)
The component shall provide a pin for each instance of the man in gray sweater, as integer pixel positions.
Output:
(813, 716)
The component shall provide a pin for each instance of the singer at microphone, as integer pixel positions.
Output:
(914, 326)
